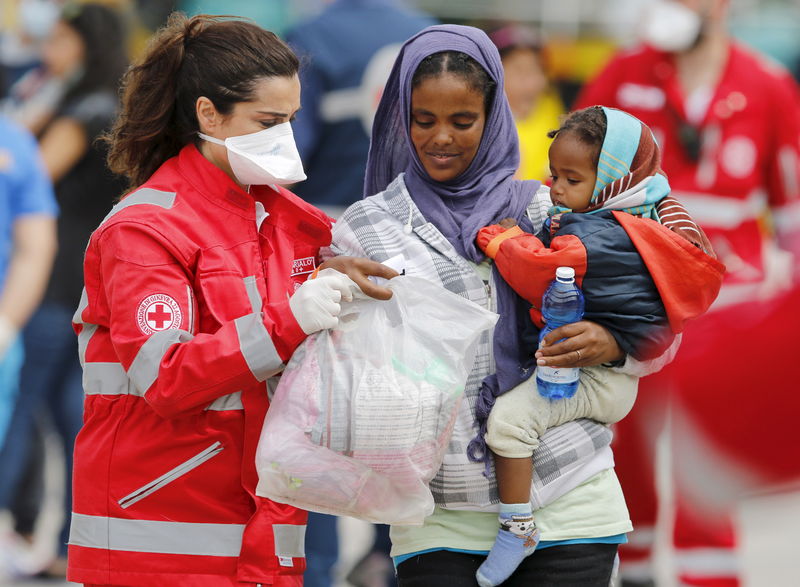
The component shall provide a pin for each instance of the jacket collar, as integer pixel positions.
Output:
(293, 214)
(214, 184)
(286, 210)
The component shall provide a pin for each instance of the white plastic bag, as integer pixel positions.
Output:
(363, 413)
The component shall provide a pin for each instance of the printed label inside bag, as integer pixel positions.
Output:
(285, 561)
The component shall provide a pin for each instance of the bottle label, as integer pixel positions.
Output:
(558, 374)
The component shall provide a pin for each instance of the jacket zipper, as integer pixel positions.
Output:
(171, 476)
(190, 296)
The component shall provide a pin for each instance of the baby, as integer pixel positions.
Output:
(606, 179)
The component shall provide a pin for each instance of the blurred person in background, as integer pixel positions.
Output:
(27, 248)
(272, 14)
(534, 102)
(728, 120)
(153, 14)
(86, 53)
(28, 92)
(346, 53)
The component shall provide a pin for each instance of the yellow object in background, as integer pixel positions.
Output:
(8, 16)
(535, 103)
(578, 59)
(533, 140)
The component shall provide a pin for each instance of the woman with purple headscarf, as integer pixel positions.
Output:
(441, 165)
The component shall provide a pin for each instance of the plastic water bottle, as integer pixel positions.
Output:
(562, 304)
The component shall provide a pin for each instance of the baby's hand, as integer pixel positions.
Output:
(508, 223)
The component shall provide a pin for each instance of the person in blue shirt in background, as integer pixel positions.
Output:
(85, 54)
(346, 52)
(27, 248)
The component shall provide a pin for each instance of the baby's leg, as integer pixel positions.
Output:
(518, 536)
(521, 415)
(518, 418)
(603, 395)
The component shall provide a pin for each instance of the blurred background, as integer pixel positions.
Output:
(747, 471)
(581, 34)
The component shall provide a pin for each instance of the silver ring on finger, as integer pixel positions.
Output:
(579, 354)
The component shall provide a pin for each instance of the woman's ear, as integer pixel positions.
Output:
(208, 118)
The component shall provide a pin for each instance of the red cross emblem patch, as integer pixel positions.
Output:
(158, 312)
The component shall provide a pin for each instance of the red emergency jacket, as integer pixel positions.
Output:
(749, 157)
(184, 317)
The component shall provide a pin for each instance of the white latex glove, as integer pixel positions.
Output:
(315, 304)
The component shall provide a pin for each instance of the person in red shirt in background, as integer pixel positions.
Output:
(728, 121)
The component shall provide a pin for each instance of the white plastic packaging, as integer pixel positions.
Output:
(363, 414)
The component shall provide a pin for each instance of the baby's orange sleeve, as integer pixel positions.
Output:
(491, 237)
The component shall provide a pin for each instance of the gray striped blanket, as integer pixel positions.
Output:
(569, 454)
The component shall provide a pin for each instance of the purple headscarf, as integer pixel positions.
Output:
(486, 192)
(483, 194)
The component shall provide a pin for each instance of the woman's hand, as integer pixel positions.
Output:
(586, 344)
(359, 269)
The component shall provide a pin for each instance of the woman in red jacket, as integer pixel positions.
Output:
(196, 294)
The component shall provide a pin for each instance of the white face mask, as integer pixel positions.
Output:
(265, 157)
(670, 26)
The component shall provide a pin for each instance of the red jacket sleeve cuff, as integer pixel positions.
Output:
(286, 332)
(491, 237)
(486, 234)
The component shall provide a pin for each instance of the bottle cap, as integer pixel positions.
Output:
(565, 273)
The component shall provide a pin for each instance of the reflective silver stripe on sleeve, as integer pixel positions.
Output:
(156, 537)
(252, 293)
(97, 378)
(82, 305)
(143, 196)
(290, 540)
(256, 346)
(232, 401)
(144, 369)
(86, 334)
(88, 329)
(255, 342)
(107, 379)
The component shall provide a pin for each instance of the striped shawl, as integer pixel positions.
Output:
(568, 455)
